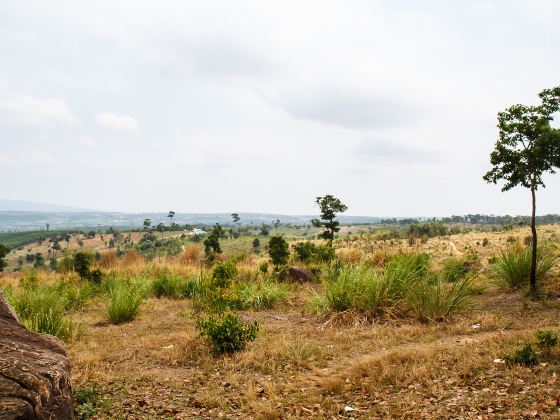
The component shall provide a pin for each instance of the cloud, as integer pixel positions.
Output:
(117, 122)
(27, 109)
(348, 107)
(394, 152)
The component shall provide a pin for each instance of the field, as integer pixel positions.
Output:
(311, 362)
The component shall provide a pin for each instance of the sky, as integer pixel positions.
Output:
(253, 106)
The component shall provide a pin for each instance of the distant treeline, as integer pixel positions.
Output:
(482, 219)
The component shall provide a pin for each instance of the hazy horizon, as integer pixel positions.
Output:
(259, 107)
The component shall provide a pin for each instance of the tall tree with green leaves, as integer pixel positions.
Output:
(278, 250)
(147, 223)
(212, 242)
(329, 207)
(527, 148)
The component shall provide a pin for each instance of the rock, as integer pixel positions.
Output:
(295, 274)
(34, 372)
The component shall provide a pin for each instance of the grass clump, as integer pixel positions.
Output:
(124, 303)
(367, 290)
(226, 332)
(167, 285)
(457, 268)
(86, 401)
(42, 309)
(437, 301)
(261, 295)
(512, 267)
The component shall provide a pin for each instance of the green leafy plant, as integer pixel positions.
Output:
(86, 402)
(278, 250)
(546, 339)
(166, 285)
(223, 273)
(261, 295)
(226, 332)
(523, 356)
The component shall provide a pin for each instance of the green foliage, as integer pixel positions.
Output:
(329, 207)
(4, 250)
(524, 356)
(263, 267)
(512, 267)
(310, 253)
(261, 295)
(86, 400)
(226, 332)
(212, 242)
(41, 309)
(456, 268)
(223, 273)
(436, 301)
(166, 285)
(547, 339)
(124, 303)
(430, 229)
(278, 250)
(82, 262)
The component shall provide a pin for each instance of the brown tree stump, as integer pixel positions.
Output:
(34, 372)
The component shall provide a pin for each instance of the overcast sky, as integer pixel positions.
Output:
(259, 106)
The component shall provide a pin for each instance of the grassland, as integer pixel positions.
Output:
(304, 363)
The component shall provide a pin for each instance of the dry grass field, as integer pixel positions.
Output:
(305, 364)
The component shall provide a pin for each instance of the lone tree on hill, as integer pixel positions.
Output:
(527, 148)
(171, 215)
(147, 223)
(329, 206)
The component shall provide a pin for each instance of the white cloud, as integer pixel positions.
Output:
(115, 121)
(27, 109)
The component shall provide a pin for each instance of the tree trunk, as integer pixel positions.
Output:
(533, 276)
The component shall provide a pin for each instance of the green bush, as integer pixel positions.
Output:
(261, 295)
(223, 273)
(512, 267)
(87, 400)
(456, 268)
(436, 301)
(124, 303)
(226, 332)
(524, 356)
(547, 339)
(167, 286)
(309, 253)
(41, 309)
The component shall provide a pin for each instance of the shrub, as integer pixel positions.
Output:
(124, 303)
(95, 276)
(263, 267)
(524, 356)
(261, 295)
(512, 267)
(456, 268)
(485, 242)
(547, 339)
(82, 263)
(87, 400)
(308, 252)
(436, 301)
(278, 251)
(167, 286)
(223, 273)
(226, 332)
(41, 309)
(190, 288)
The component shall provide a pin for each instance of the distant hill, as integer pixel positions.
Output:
(33, 206)
(37, 220)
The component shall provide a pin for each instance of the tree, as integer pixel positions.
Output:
(329, 207)
(4, 250)
(236, 218)
(265, 230)
(256, 245)
(161, 228)
(82, 263)
(276, 223)
(171, 215)
(527, 148)
(39, 260)
(212, 242)
(278, 250)
(147, 223)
